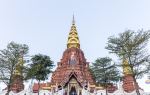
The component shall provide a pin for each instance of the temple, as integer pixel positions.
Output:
(72, 73)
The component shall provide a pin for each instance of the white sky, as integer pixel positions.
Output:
(44, 24)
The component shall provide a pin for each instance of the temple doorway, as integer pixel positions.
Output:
(73, 91)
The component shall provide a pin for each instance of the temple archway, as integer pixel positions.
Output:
(73, 91)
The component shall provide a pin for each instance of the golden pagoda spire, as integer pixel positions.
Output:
(126, 67)
(73, 39)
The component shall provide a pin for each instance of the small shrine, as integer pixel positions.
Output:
(17, 79)
(128, 81)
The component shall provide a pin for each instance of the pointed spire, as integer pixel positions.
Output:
(73, 20)
(126, 67)
(73, 39)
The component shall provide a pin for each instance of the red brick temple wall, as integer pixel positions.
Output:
(80, 68)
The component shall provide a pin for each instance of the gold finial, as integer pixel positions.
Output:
(73, 39)
(126, 67)
(73, 20)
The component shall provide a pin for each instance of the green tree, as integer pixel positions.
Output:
(9, 59)
(39, 69)
(131, 46)
(105, 72)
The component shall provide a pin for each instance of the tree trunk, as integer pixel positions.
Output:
(8, 89)
(106, 88)
(135, 82)
(9, 84)
(38, 87)
(136, 86)
(106, 91)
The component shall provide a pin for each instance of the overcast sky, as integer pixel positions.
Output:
(44, 24)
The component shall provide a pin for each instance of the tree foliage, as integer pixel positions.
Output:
(104, 71)
(131, 45)
(40, 67)
(9, 59)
